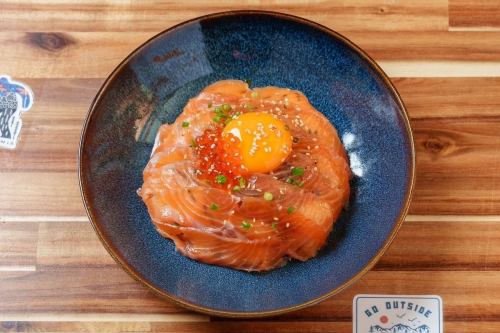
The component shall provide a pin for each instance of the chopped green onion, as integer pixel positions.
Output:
(214, 206)
(249, 106)
(294, 181)
(274, 225)
(243, 182)
(268, 196)
(218, 110)
(236, 115)
(245, 225)
(226, 107)
(217, 118)
(210, 105)
(220, 179)
(290, 210)
(193, 144)
(185, 124)
(236, 188)
(297, 171)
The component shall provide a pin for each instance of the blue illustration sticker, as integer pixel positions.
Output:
(397, 314)
(15, 98)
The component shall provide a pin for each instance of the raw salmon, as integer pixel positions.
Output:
(246, 231)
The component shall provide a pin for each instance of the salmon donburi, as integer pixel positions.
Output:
(247, 178)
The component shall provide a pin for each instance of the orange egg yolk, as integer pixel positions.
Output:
(263, 142)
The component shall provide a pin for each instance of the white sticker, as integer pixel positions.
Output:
(15, 98)
(397, 314)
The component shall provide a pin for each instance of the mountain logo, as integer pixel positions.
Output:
(397, 314)
(400, 328)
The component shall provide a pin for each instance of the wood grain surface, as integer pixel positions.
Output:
(442, 55)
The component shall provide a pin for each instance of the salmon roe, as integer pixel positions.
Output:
(219, 163)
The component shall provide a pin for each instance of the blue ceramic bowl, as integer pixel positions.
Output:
(151, 86)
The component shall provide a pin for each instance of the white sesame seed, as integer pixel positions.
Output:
(275, 218)
(316, 147)
(287, 225)
(268, 237)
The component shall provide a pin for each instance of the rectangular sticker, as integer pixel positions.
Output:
(397, 314)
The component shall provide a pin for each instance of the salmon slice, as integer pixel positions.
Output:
(241, 229)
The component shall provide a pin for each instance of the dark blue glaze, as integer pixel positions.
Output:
(152, 86)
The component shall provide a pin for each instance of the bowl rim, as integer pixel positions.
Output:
(252, 314)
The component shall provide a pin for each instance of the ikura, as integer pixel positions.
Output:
(217, 161)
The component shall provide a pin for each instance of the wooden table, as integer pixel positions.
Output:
(443, 56)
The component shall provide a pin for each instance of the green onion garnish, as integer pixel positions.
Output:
(245, 225)
(243, 182)
(214, 206)
(274, 225)
(185, 124)
(297, 171)
(220, 179)
(294, 181)
(290, 210)
(236, 188)
(268, 196)
(210, 105)
(226, 107)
